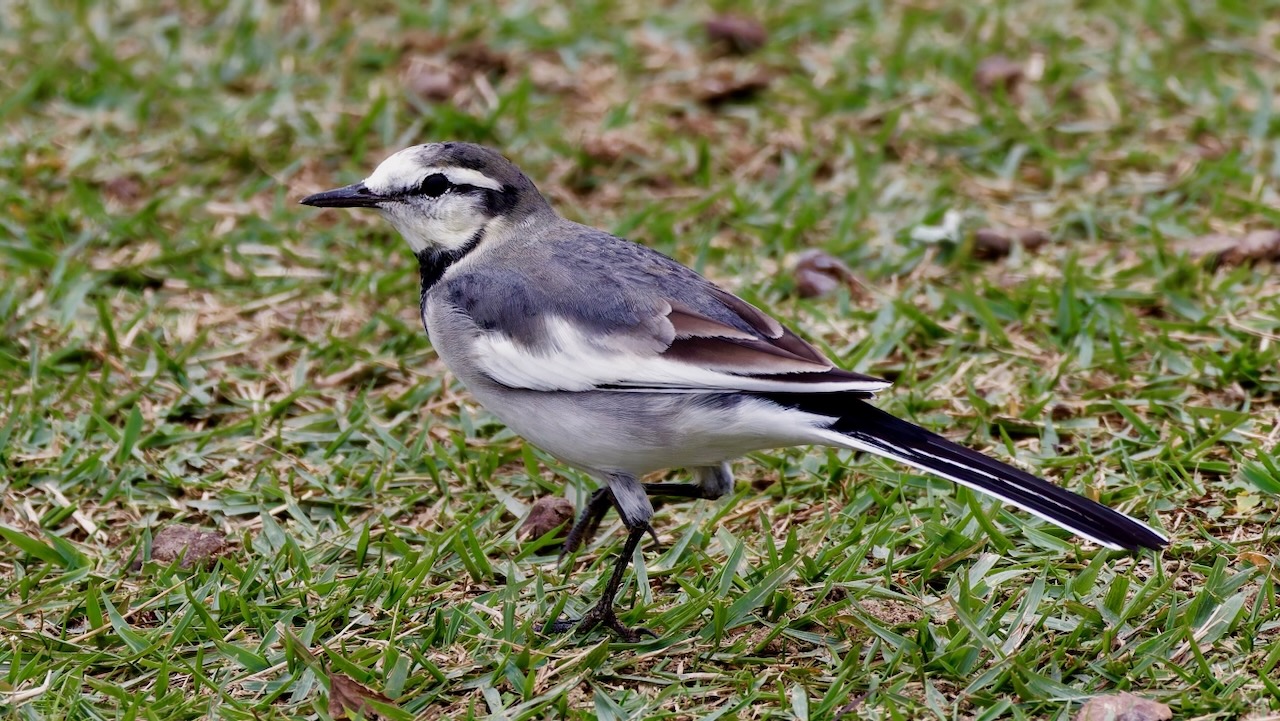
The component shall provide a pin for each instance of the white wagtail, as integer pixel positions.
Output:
(620, 361)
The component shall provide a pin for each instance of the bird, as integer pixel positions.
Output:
(619, 361)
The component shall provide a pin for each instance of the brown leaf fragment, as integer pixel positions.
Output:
(850, 707)
(737, 33)
(614, 145)
(1123, 707)
(993, 243)
(1254, 247)
(1261, 561)
(187, 545)
(547, 514)
(123, 189)
(818, 273)
(1210, 147)
(346, 695)
(729, 84)
(430, 78)
(422, 41)
(445, 68)
(476, 57)
(998, 71)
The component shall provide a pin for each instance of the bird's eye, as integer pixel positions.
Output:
(435, 185)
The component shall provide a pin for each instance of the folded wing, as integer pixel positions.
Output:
(675, 347)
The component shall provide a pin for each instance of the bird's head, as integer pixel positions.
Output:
(442, 197)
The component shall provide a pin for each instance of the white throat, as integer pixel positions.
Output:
(448, 229)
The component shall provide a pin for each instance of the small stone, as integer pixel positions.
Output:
(1254, 247)
(819, 273)
(998, 71)
(741, 35)
(993, 243)
(476, 57)
(189, 546)
(547, 514)
(1123, 707)
(731, 85)
(123, 189)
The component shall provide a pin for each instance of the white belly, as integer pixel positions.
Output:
(613, 431)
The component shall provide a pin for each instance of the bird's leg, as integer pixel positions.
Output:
(678, 490)
(628, 497)
(588, 523)
(712, 482)
(602, 614)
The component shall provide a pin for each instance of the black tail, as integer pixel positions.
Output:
(870, 429)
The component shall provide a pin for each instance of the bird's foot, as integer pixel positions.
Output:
(598, 616)
(602, 614)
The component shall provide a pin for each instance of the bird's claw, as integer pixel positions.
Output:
(598, 617)
(560, 625)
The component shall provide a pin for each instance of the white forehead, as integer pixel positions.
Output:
(406, 170)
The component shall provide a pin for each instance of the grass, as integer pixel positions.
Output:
(183, 345)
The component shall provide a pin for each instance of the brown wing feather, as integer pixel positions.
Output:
(776, 332)
(739, 356)
(688, 323)
(774, 352)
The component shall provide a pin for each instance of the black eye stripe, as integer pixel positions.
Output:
(437, 184)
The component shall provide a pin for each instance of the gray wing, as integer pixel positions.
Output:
(625, 317)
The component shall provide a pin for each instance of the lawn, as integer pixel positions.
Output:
(185, 349)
